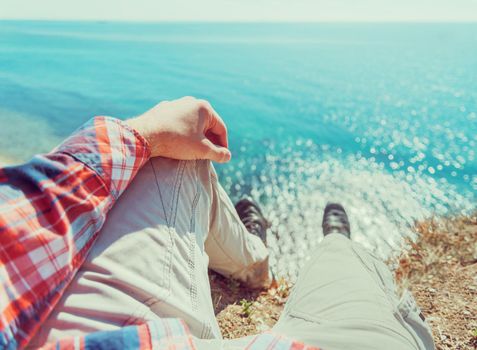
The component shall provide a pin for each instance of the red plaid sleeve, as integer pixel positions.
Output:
(51, 209)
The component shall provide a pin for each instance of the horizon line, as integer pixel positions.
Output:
(179, 21)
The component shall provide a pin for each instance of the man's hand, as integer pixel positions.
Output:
(185, 129)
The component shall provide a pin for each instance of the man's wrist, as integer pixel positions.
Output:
(136, 128)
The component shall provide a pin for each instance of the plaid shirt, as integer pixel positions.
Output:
(51, 210)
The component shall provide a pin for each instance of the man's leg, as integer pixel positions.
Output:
(345, 299)
(232, 250)
(151, 257)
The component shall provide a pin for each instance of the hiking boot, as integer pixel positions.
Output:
(335, 220)
(252, 217)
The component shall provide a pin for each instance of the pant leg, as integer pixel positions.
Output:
(232, 251)
(345, 299)
(150, 261)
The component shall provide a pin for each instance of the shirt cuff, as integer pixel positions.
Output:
(111, 148)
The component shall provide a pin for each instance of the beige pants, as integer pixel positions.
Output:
(345, 298)
(173, 222)
(152, 255)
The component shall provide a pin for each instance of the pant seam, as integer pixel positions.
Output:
(174, 189)
(167, 269)
(180, 176)
(193, 241)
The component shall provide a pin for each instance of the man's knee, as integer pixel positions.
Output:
(173, 172)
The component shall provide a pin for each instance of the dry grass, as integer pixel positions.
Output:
(241, 312)
(440, 269)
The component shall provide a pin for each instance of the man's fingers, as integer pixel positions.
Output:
(217, 127)
(213, 152)
(214, 138)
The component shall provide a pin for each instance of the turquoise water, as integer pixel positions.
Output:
(382, 117)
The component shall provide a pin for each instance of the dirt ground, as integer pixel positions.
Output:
(440, 269)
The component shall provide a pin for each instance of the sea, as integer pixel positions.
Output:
(379, 117)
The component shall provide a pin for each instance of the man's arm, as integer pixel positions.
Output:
(51, 210)
(52, 207)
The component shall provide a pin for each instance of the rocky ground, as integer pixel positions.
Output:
(440, 269)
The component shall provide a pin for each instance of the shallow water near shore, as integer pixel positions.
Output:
(381, 117)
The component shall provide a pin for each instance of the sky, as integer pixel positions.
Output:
(242, 10)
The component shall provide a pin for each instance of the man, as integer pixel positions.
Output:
(90, 258)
